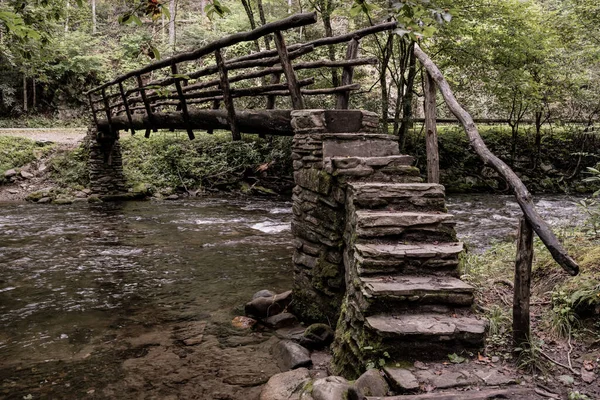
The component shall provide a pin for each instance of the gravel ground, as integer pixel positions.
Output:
(56, 135)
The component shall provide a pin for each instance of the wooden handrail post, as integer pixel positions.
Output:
(288, 70)
(431, 138)
(127, 111)
(521, 320)
(343, 99)
(235, 131)
(182, 102)
(107, 109)
(146, 105)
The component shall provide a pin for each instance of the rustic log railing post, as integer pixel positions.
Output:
(93, 108)
(215, 106)
(343, 99)
(235, 131)
(146, 105)
(126, 105)
(431, 138)
(183, 104)
(288, 70)
(521, 320)
(107, 110)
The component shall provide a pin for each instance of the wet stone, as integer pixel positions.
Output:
(291, 355)
(331, 388)
(402, 378)
(281, 320)
(495, 377)
(263, 293)
(286, 385)
(372, 383)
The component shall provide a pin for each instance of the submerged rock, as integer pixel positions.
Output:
(286, 385)
(291, 355)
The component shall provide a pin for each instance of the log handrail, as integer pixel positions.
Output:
(524, 198)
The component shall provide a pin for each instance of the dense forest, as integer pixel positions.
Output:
(517, 60)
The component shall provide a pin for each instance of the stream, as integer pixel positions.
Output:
(75, 280)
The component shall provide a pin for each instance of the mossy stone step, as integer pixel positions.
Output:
(358, 145)
(391, 289)
(435, 327)
(414, 226)
(397, 196)
(423, 258)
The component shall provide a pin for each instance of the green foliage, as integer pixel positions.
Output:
(16, 152)
(456, 359)
(562, 318)
(168, 160)
(69, 167)
(499, 320)
(530, 356)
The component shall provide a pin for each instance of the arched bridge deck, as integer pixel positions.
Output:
(186, 91)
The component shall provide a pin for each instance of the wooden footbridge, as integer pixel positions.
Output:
(374, 245)
(185, 92)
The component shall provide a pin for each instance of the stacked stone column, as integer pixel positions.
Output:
(105, 164)
(319, 213)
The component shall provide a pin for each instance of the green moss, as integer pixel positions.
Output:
(16, 152)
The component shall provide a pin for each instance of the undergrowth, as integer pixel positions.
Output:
(16, 152)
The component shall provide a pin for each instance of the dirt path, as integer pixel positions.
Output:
(56, 135)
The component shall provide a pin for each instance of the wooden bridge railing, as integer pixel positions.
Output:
(531, 220)
(181, 98)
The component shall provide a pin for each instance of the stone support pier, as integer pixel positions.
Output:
(105, 164)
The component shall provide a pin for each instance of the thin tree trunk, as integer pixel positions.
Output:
(433, 157)
(94, 26)
(25, 93)
(385, 101)
(172, 34)
(33, 93)
(326, 7)
(263, 21)
(250, 15)
(408, 97)
(538, 138)
(67, 16)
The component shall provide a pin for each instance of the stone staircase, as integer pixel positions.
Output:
(403, 299)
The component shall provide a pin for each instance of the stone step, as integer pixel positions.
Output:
(391, 292)
(427, 227)
(426, 336)
(420, 258)
(391, 169)
(359, 145)
(397, 196)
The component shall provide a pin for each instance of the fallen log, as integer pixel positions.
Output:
(522, 195)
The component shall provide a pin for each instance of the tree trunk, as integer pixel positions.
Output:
(521, 320)
(173, 12)
(25, 93)
(538, 138)
(326, 7)
(250, 15)
(408, 97)
(385, 101)
(263, 21)
(68, 5)
(94, 26)
(33, 94)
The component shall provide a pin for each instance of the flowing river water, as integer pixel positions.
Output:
(79, 284)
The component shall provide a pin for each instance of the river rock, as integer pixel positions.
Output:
(317, 336)
(243, 322)
(291, 355)
(172, 197)
(62, 201)
(264, 293)
(334, 388)
(263, 307)
(281, 320)
(26, 175)
(372, 383)
(10, 173)
(402, 378)
(288, 385)
(44, 200)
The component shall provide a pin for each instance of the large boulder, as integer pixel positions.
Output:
(372, 383)
(334, 388)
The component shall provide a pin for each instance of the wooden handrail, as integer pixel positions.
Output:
(522, 195)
